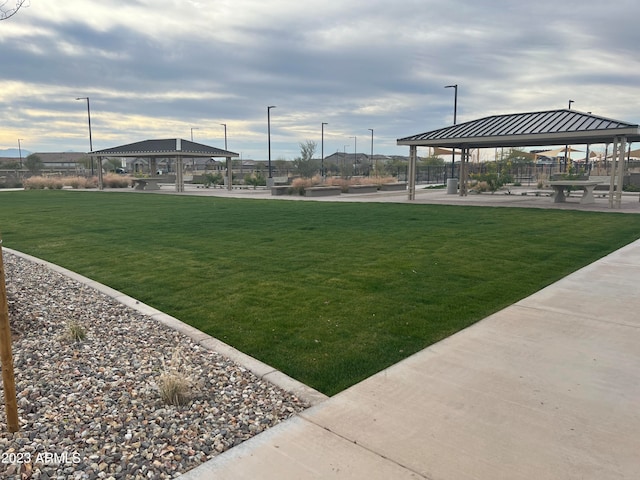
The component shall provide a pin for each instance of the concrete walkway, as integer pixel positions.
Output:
(548, 388)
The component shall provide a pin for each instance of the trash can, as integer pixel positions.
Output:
(452, 186)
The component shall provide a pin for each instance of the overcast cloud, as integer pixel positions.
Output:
(158, 68)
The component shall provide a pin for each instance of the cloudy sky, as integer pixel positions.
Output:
(170, 68)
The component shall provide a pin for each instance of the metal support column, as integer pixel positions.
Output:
(412, 171)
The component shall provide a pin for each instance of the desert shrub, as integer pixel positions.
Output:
(76, 182)
(113, 180)
(35, 183)
(255, 179)
(299, 185)
(54, 183)
(212, 179)
(74, 332)
(176, 383)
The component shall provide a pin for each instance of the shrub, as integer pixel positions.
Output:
(212, 179)
(176, 384)
(113, 180)
(298, 185)
(35, 183)
(74, 332)
(77, 182)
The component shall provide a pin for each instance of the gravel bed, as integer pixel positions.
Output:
(93, 408)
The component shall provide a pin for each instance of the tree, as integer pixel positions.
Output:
(305, 164)
(6, 9)
(33, 163)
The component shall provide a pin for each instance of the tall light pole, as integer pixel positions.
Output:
(371, 130)
(322, 150)
(455, 114)
(269, 134)
(192, 129)
(90, 140)
(570, 102)
(225, 134)
(20, 151)
(355, 153)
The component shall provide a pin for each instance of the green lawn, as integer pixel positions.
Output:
(329, 293)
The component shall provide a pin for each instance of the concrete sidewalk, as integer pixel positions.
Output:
(548, 388)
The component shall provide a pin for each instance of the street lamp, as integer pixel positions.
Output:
(192, 129)
(371, 130)
(355, 153)
(570, 102)
(322, 151)
(225, 134)
(20, 151)
(455, 113)
(90, 141)
(269, 134)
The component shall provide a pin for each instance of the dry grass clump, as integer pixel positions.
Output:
(110, 180)
(74, 332)
(77, 182)
(40, 183)
(177, 384)
(113, 180)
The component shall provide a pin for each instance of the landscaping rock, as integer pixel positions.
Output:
(92, 409)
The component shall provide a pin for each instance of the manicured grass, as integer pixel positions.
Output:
(329, 293)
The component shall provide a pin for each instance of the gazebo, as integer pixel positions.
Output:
(547, 128)
(177, 148)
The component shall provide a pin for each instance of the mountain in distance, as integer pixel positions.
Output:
(14, 153)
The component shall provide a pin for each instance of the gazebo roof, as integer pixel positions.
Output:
(553, 127)
(170, 147)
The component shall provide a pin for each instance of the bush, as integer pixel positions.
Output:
(77, 182)
(213, 179)
(35, 183)
(113, 180)
(176, 384)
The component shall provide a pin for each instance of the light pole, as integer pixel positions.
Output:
(20, 152)
(455, 114)
(269, 134)
(90, 141)
(225, 134)
(322, 151)
(570, 102)
(355, 153)
(192, 129)
(371, 130)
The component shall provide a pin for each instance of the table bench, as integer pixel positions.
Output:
(146, 183)
(588, 186)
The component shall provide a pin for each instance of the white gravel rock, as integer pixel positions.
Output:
(92, 409)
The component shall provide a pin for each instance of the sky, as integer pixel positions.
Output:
(177, 68)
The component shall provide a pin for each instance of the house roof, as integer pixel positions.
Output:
(170, 147)
(553, 127)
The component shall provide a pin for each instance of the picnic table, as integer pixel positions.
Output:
(588, 186)
(146, 183)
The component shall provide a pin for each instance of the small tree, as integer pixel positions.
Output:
(305, 164)
(33, 163)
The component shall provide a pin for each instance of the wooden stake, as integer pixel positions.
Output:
(6, 356)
